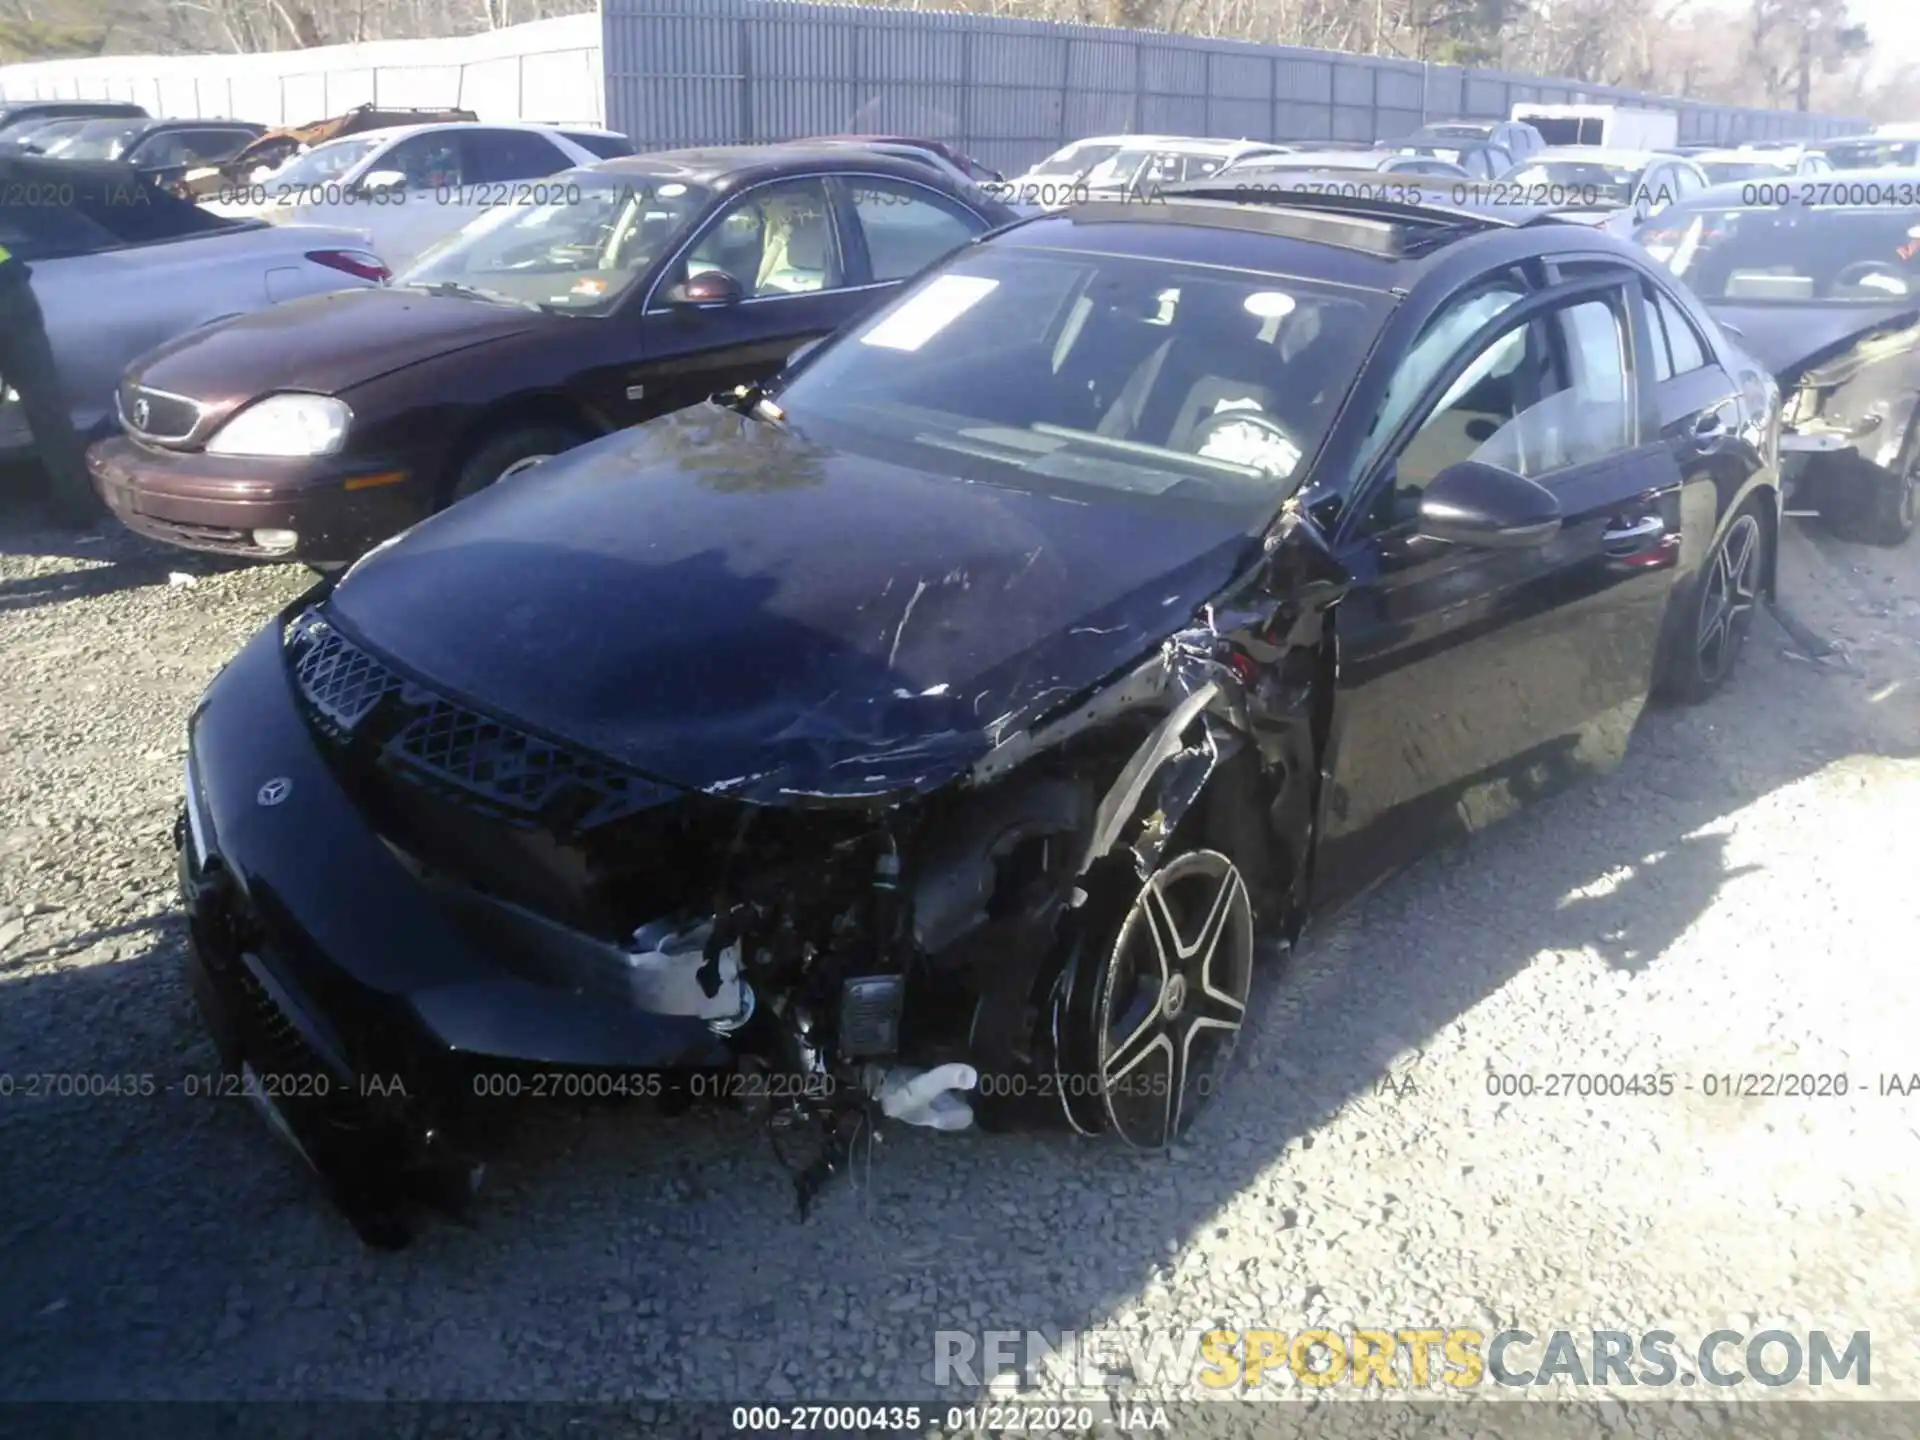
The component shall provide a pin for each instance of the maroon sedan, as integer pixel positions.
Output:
(610, 295)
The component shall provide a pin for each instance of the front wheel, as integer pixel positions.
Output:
(1147, 1029)
(1725, 596)
(508, 453)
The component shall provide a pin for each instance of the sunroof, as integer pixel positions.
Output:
(1374, 227)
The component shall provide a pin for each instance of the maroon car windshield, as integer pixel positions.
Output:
(584, 246)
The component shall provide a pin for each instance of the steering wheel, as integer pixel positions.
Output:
(1246, 437)
(541, 256)
(1856, 274)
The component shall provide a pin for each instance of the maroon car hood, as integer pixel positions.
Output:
(325, 343)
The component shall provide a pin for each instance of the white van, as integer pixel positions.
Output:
(1613, 127)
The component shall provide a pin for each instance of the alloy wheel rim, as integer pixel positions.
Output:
(1175, 997)
(524, 463)
(1731, 591)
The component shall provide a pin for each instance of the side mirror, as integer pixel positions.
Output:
(805, 350)
(1477, 504)
(383, 180)
(710, 289)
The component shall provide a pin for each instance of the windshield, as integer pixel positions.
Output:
(1074, 160)
(1118, 168)
(1774, 254)
(1872, 154)
(326, 163)
(1585, 182)
(43, 136)
(1721, 172)
(1094, 375)
(99, 140)
(581, 250)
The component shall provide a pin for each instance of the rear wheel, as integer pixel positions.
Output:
(508, 453)
(1879, 507)
(1724, 599)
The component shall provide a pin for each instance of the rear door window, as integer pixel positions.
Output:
(492, 156)
(607, 147)
(907, 227)
(188, 147)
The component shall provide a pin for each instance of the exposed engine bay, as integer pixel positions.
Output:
(938, 960)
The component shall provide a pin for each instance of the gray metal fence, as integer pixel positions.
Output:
(693, 72)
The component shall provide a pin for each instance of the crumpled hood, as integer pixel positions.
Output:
(326, 343)
(1786, 339)
(726, 605)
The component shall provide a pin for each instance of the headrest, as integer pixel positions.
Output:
(807, 244)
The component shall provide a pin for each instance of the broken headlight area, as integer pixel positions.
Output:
(861, 958)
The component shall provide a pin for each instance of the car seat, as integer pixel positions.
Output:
(1213, 361)
(795, 257)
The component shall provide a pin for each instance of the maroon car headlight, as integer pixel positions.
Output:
(286, 426)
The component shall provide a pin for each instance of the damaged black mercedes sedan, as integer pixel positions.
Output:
(1818, 277)
(933, 732)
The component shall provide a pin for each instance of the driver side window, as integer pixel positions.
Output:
(1550, 394)
(1438, 343)
(775, 240)
(428, 161)
(1478, 408)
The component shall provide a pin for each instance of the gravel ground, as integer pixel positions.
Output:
(1740, 897)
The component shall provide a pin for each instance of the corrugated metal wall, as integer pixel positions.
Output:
(691, 72)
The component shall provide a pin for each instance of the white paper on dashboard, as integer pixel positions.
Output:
(930, 311)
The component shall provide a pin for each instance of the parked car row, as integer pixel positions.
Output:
(411, 185)
(121, 264)
(315, 430)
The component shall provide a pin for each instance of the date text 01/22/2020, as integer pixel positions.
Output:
(1712, 1085)
(608, 1085)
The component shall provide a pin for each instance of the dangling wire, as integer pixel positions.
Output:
(863, 1186)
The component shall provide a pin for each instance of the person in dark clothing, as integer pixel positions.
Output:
(52, 210)
(27, 366)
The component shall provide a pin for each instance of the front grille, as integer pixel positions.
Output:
(289, 1066)
(358, 698)
(156, 415)
(339, 679)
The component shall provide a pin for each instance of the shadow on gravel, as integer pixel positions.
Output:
(115, 558)
(621, 1253)
(18, 959)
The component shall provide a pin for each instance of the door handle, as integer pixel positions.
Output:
(1634, 536)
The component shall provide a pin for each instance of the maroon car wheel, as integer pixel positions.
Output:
(509, 452)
